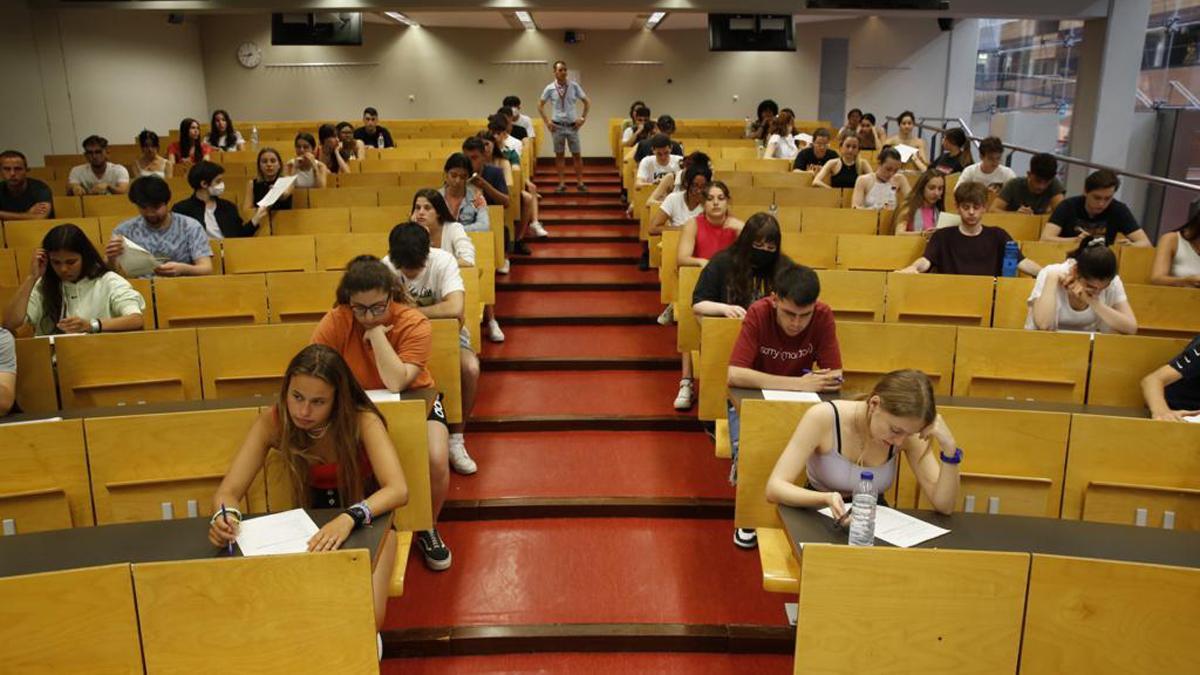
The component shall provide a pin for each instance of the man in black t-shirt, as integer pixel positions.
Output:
(666, 127)
(971, 247)
(816, 155)
(1172, 392)
(371, 134)
(22, 197)
(1094, 213)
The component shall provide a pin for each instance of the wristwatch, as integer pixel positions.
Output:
(358, 513)
(952, 459)
(95, 326)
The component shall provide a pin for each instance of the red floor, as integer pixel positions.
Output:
(611, 664)
(607, 230)
(583, 342)
(625, 393)
(577, 303)
(577, 274)
(552, 249)
(588, 570)
(558, 214)
(592, 464)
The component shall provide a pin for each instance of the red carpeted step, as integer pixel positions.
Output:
(576, 274)
(588, 570)
(579, 201)
(552, 304)
(628, 663)
(593, 464)
(604, 393)
(616, 251)
(601, 233)
(583, 342)
(595, 213)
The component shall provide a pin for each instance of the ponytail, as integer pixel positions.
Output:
(1094, 260)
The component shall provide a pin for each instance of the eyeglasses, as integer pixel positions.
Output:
(376, 310)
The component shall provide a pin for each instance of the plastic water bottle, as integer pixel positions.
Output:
(749, 127)
(862, 511)
(254, 136)
(379, 140)
(1011, 253)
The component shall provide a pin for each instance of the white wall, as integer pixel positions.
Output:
(75, 73)
(895, 64)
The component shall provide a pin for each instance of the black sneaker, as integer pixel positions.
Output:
(644, 261)
(437, 554)
(743, 537)
(521, 248)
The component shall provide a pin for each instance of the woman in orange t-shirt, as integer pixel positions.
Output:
(386, 342)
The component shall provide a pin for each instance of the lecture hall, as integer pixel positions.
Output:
(579, 336)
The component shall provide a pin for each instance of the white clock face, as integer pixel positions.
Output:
(249, 55)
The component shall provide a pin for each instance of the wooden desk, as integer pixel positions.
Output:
(1022, 534)
(427, 395)
(155, 541)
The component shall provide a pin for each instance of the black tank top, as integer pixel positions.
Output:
(846, 177)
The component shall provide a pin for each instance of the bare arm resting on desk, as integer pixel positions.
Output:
(819, 380)
(1153, 386)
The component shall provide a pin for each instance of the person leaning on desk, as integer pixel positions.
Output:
(837, 440)
(335, 444)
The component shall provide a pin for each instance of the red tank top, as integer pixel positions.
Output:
(324, 476)
(711, 239)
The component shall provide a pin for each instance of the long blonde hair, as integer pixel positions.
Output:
(906, 393)
(349, 399)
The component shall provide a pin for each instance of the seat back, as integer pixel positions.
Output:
(871, 350)
(1103, 616)
(766, 427)
(323, 602)
(74, 621)
(317, 220)
(139, 463)
(952, 299)
(717, 337)
(127, 368)
(1019, 226)
(687, 337)
(834, 220)
(446, 368)
(1135, 263)
(1122, 470)
(253, 255)
(818, 251)
(248, 360)
(29, 233)
(1022, 365)
(1167, 311)
(342, 197)
(335, 250)
(982, 594)
(107, 205)
(1012, 302)
(211, 301)
(44, 485)
(377, 219)
(35, 385)
(1047, 252)
(872, 252)
(301, 296)
(1119, 362)
(854, 296)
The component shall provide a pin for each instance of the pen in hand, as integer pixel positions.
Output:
(225, 519)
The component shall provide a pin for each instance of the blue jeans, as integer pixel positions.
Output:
(735, 425)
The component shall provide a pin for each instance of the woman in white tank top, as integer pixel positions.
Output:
(1177, 259)
(884, 188)
(835, 441)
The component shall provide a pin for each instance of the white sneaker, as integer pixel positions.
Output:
(503, 269)
(667, 317)
(683, 401)
(379, 646)
(459, 459)
(493, 331)
(538, 231)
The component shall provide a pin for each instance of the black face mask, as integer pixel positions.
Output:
(761, 261)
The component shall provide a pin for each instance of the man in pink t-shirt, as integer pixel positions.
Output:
(788, 341)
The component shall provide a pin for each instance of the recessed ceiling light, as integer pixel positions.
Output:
(400, 18)
(655, 19)
(526, 20)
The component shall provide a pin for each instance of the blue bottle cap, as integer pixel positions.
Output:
(867, 475)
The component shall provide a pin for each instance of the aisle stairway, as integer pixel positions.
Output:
(599, 522)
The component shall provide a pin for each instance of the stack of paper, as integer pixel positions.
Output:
(277, 189)
(286, 532)
(899, 529)
(137, 261)
(1194, 419)
(906, 152)
(783, 395)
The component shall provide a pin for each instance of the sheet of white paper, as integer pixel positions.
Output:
(804, 138)
(382, 395)
(277, 189)
(286, 532)
(1194, 419)
(948, 220)
(899, 529)
(782, 395)
(906, 152)
(13, 424)
(137, 261)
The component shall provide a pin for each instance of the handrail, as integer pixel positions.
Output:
(1066, 159)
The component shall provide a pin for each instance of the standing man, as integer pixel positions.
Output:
(563, 124)
(22, 197)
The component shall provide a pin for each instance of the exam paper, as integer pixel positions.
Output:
(906, 152)
(382, 395)
(948, 220)
(286, 532)
(277, 189)
(1194, 419)
(899, 529)
(804, 138)
(137, 261)
(783, 395)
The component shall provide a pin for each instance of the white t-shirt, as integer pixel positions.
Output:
(785, 146)
(210, 220)
(523, 120)
(650, 171)
(457, 243)
(439, 278)
(82, 175)
(627, 135)
(675, 206)
(975, 174)
(1068, 318)
(513, 144)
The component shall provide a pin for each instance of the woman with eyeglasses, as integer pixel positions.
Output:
(386, 342)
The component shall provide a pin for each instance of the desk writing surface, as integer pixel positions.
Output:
(427, 395)
(1023, 534)
(739, 394)
(153, 541)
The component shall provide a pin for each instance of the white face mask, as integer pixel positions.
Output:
(216, 189)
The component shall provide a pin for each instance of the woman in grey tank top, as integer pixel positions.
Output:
(835, 441)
